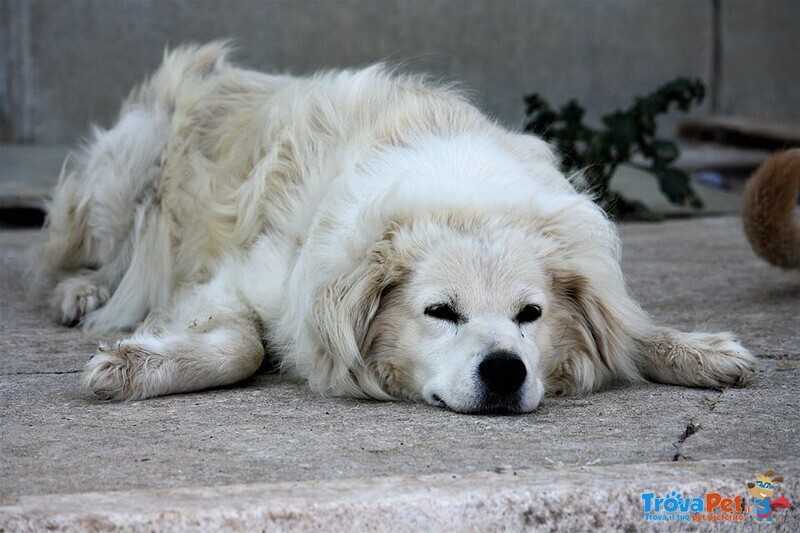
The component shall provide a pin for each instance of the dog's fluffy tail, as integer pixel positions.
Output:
(768, 210)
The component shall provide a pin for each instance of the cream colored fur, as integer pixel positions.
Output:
(322, 218)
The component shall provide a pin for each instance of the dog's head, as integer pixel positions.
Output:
(467, 324)
(488, 267)
(456, 311)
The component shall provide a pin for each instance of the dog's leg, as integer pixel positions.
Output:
(210, 352)
(93, 219)
(85, 290)
(695, 359)
(210, 339)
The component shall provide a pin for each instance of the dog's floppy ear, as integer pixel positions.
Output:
(341, 318)
(599, 326)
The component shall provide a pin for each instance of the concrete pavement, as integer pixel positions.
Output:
(269, 454)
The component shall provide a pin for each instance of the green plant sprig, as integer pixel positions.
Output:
(598, 152)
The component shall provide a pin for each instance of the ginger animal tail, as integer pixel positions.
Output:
(770, 197)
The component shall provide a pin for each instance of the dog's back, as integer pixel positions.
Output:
(206, 156)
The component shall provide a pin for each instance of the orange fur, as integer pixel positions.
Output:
(770, 198)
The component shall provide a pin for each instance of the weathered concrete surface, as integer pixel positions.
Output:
(702, 274)
(554, 498)
(73, 60)
(271, 454)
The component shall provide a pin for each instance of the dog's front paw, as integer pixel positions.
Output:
(712, 360)
(121, 372)
(75, 297)
(725, 362)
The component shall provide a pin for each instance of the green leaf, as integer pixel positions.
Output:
(676, 187)
(623, 136)
(624, 133)
(665, 152)
(535, 103)
(598, 150)
(542, 123)
(572, 114)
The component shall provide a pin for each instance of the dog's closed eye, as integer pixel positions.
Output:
(528, 314)
(444, 312)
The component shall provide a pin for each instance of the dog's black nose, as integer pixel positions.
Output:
(502, 372)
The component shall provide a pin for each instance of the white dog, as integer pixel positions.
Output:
(374, 232)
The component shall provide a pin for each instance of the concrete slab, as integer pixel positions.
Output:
(758, 59)
(270, 454)
(638, 185)
(269, 431)
(730, 429)
(553, 498)
(701, 274)
(696, 156)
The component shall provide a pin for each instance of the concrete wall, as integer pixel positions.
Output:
(67, 63)
(760, 58)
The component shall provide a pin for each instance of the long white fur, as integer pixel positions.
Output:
(233, 209)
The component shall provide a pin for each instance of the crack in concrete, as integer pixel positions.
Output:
(780, 356)
(690, 429)
(39, 373)
(693, 425)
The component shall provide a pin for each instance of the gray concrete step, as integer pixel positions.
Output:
(552, 498)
